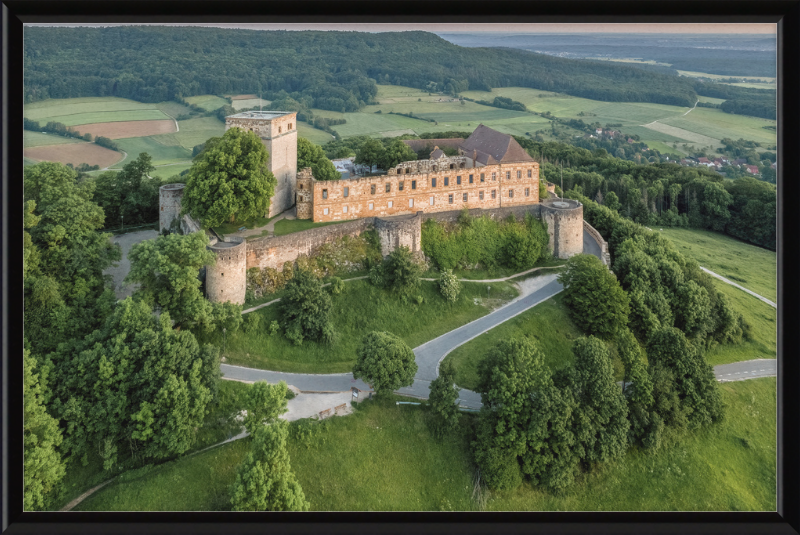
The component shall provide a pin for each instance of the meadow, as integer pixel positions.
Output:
(61, 110)
(717, 124)
(378, 310)
(36, 139)
(383, 457)
(160, 153)
(242, 103)
(207, 102)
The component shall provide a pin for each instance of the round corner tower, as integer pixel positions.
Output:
(305, 194)
(226, 280)
(564, 218)
(399, 231)
(169, 200)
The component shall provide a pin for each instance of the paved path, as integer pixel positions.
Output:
(590, 246)
(748, 369)
(723, 279)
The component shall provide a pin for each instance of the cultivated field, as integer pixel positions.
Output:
(74, 153)
(242, 103)
(711, 100)
(207, 102)
(55, 109)
(193, 132)
(160, 153)
(166, 171)
(124, 129)
(681, 135)
(312, 134)
(35, 139)
(718, 124)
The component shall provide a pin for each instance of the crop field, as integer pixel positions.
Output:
(123, 129)
(207, 102)
(242, 103)
(52, 109)
(193, 132)
(36, 139)
(312, 134)
(166, 171)
(665, 148)
(693, 74)
(717, 124)
(754, 85)
(173, 109)
(74, 153)
(160, 152)
(683, 136)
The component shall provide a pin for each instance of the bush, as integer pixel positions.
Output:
(306, 310)
(401, 271)
(252, 323)
(449, 286)
(274, 327)
(337, 285)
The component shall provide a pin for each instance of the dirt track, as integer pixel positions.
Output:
(123, 129)
(75, 153)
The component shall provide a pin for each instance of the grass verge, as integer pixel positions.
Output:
(289, 226)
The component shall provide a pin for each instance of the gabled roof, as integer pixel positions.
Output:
(490, 146)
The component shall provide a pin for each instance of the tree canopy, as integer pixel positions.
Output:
(129, 194)
(305, 309)
(385, 361)
(311, 155)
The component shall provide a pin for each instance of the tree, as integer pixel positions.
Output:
(305, 310)
(449, 285)
(444, 398)
(265, 403)
(394, 153)
(129, 193)
(311, 155)
(525, 243)
(385, 362)
(401, 272)
(43, 467)
(167, 270)
(265, 481)
(646, 424)
(370, 153)
(612, 201)
(594, 296)
(229, 180)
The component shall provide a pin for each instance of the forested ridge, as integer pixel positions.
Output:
(335, 70)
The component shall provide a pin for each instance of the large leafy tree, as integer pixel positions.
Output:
(305, 309)
(229, 180)
(385, 361)
(167, 270)
(311, 155)
(129, 196)
(395, 152)
(401, 271)
(136, 382)
(265, 403)
(265, 481)
(370, 153)
(444, 398)
(594, 296)
(43, 466)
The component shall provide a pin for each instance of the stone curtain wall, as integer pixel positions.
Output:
(606, 256)
(329, 202)
(519, 212)
(226, 280)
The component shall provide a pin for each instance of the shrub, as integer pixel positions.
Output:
(252, 322)
(401, 271)
(449, 285)
(306, 310)
(385, 361)
(337, 285)
(274, 327)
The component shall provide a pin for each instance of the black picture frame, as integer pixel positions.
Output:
(14, 13)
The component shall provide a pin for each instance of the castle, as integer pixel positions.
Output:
(492, 174)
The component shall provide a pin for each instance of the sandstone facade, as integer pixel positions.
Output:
(564, 218)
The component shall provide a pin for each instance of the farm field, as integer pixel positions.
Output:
(681, 135)
(36, 139)
(312, 134)
(379, 310)
(167, 171)
(207, 102)
(241, 103)
(710, 100)
(718, 124)
(161, 153)
(384, 457)
(123, 129)
(58, 109)
(74, 153)
(693, 74)
(193, 132)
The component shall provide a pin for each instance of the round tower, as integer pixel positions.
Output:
(226, 280)
(564, 218)
(169, 199)
(305, 194)
(398, 231)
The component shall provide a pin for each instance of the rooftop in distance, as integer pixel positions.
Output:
(260, 114)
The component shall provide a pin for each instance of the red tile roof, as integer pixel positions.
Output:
(486, 145)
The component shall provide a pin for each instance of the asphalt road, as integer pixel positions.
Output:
(590, 246)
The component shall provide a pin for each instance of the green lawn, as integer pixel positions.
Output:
(751, 266)
(377, 310)
(289, 226)
(36, 139)
(548, 324)
(207, 102)
(383, 457)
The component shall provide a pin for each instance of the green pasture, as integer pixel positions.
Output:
(377, 310)
(173, 109)
(36, 139)
(78, 119)
(161, 153)
(548, 324)
(384, 457)
(312, 134)
(51, 109)
(754, 85)
(249, 103)
(207, 102)
(665, 148)
(192, 132)
(717, 124)
(169, 170)
(651, 135)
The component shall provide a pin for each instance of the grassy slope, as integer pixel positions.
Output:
(548, 324)
(170, 170)
(288, 226)
(383, 458)
(207, 102)
(161, 154)
(193, 132)
(36, 139)
(717, 124)
(379, 310)
(312, 134)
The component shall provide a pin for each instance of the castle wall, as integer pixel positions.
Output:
(226, 280)
(303, 194)
(400, 231)
(564, 218)
(169, 197)
(418, 193)
(605, 256)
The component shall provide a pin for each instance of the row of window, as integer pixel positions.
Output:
(432, 200)
(401, 184)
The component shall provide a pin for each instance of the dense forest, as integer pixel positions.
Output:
(338, 70)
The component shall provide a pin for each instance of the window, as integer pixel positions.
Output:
(494, 176)
(391, 203)
(450, 198)
(372, 189)
(344, 209)
(519, 174)
(324, 194)
(279, 129)
(458, 180)
(413, 184)
(508, 175)
(470, 179)
(494, 194)
(290, 126)
(401, 184)
(452, 166)
(530, 173)
(511, 193)
(346, 191)
(431, 201)
(527, 192)
(408, 170)
(411, 203)
(480, 195)
(465, 197)
(222, 274)
(388, 188)
(433, 182)
(447, 181)
(483, 176)
(372, 206)
(325, 211)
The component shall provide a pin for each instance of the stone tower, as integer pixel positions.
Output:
(305, 194)
(226, 280)
(170, 196)
(564, 218)
(278, 133)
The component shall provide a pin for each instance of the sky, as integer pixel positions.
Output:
(700, 28)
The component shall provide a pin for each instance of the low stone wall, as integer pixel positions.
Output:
(495, 213)
(606, 256)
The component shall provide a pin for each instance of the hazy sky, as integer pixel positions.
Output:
(701, 28)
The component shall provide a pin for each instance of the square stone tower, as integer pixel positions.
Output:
(278, 133)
